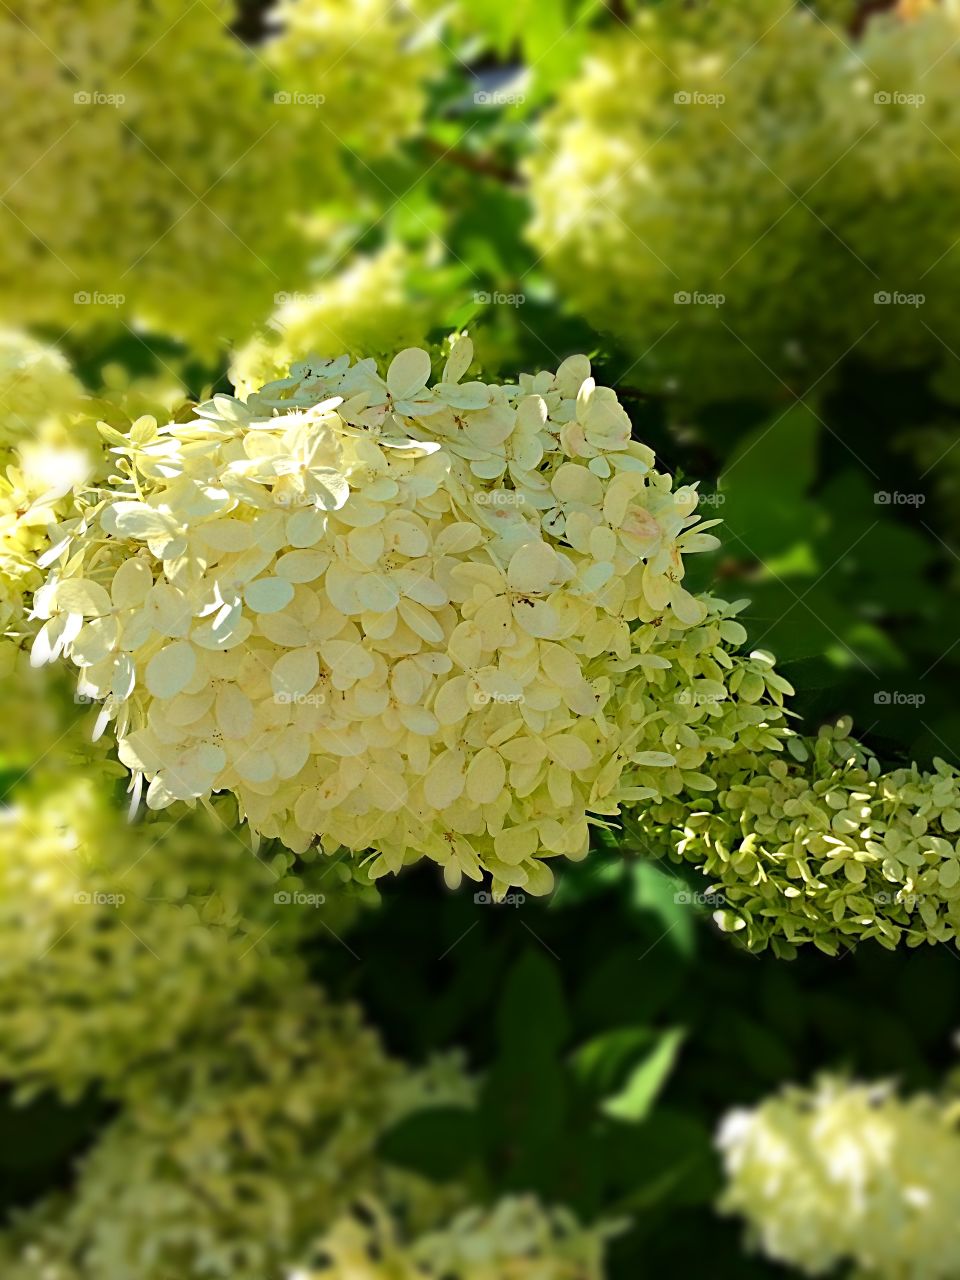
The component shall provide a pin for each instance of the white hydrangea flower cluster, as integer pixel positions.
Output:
(821, 845)
(518, 1239)
(171, 123)
(232, 1154)
(850, 1175)
(712, 151)
(50, 446)
(388, 613)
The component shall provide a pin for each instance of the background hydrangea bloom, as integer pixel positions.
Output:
(848, 1174)
(517, 1238)
(168, 123)
(232, 1155)
(718, 152)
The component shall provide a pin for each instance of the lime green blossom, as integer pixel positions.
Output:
(36, 382)
(197, 159)
(515, 1240)
(365, 309)
(235, 1153)
(119, 942)
(823, 846)
(850, 1175)
(710, 153)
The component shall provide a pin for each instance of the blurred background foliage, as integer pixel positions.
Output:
(446, 182)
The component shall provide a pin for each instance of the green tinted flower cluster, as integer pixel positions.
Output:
(368, 60)
(118, 941)
(171, 124)
(366, 309)
(36, 382)
(233, 1154)
(515, 1240)
(823, 846)
(714, 151)
(848, 1175)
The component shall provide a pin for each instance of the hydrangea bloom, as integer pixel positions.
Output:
(713, 151)
(117, 943)
(50, 446)
(385, 613)
(171, 123)
(366, 309)
(449, 621)
(848, 1174)
(822, 845)
(517, 1238)
(36, 382)
(232, 1155)
(340, 48)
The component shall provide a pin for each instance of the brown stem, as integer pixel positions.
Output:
(487, 166)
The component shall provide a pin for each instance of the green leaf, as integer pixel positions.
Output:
(633, 1103)
(533, 1008)
(439, 1144)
